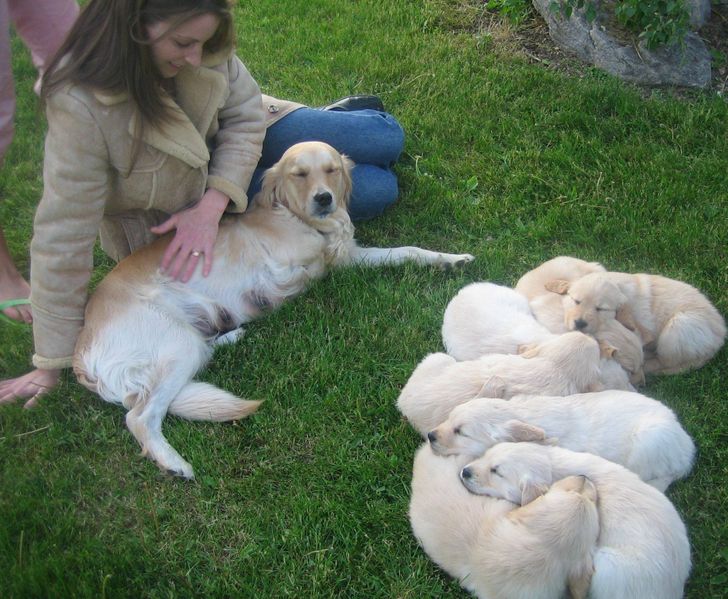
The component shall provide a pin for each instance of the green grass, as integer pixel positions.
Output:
(308, 498)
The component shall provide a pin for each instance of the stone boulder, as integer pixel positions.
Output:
(685, 65)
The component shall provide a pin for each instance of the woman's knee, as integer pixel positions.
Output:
(374, 189)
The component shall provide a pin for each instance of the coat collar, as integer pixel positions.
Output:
(200, 94)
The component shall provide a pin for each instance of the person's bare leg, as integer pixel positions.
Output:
(13, 285)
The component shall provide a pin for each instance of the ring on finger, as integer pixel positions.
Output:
(196, 253)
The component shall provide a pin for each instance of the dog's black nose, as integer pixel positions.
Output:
(580, 323)
(465, 473)
(432, 436)
(323, 199)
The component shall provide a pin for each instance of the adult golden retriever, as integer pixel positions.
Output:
(146, 336)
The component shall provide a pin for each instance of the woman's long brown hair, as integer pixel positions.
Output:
(108, 50)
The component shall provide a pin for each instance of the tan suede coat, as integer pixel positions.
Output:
(91, 187)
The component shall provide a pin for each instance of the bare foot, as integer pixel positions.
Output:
(16, 288)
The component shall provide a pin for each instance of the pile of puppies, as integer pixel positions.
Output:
(545, 468)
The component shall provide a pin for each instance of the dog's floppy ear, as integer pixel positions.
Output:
(560, 286)
(494, 386)
(531, 487)
(269, 194)
(347, 165)
(515, 430)
(606, 350)
(528, 350)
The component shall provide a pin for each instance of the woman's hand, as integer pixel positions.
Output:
(196, 233)
(32, 385)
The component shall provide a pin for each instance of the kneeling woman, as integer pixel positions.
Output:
(154, 125)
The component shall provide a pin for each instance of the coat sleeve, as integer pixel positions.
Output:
(76, 180)
(238, 144)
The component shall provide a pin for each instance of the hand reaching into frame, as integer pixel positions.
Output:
(196, 231)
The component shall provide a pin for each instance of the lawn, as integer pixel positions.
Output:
(505, 159)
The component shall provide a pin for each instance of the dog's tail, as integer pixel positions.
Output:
(200, 401)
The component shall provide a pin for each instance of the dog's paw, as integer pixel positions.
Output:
(230, 337)
(186, 474)
(450, 261)
(463, 259)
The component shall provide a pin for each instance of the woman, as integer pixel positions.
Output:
(150, 114)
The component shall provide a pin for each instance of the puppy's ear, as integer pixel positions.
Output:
(606, 350)
(529, 350)
(516, 431)
(560, 286)
(494, 386)
(531, 488)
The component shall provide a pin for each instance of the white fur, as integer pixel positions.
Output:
(484, 318)
(626, 428)
(146, 336)
(496, 551)
(643, 550)
(563, 365)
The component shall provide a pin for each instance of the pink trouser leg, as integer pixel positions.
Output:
(7, 88)
(42, 25)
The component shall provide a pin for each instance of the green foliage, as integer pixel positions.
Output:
(658, 22)
(516, 11)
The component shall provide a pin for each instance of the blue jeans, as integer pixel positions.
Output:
(372, 139)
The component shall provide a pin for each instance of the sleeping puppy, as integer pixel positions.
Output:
(296, 230)
(642, 551)
(626, 428)
(545, 306)
(563, 365)
(541, 549)
(484, 318)
(679, 328)
(496, 551)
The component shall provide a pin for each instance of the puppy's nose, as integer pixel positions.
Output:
(432, 436)
(580, 324)
(323, 199)
(466, 473)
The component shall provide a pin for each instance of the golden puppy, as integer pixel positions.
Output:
(679, 328)
(146, 336)
(642, 551)
(496, 551)
(539, 550)
(546, 307)
(562, 365)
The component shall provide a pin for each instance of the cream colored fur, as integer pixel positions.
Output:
(563, 365)
(496, 551)
(642, 551)
(679, 328)
(626, 428)
(484, 318)
(146, 336)
(545, 306)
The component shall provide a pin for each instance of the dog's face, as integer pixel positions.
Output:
(311, 179)
(518, 472)
(475, 426)
(588, 302)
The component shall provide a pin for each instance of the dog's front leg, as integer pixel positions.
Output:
(394, 256)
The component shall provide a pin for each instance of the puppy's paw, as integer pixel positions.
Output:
(230, 337)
